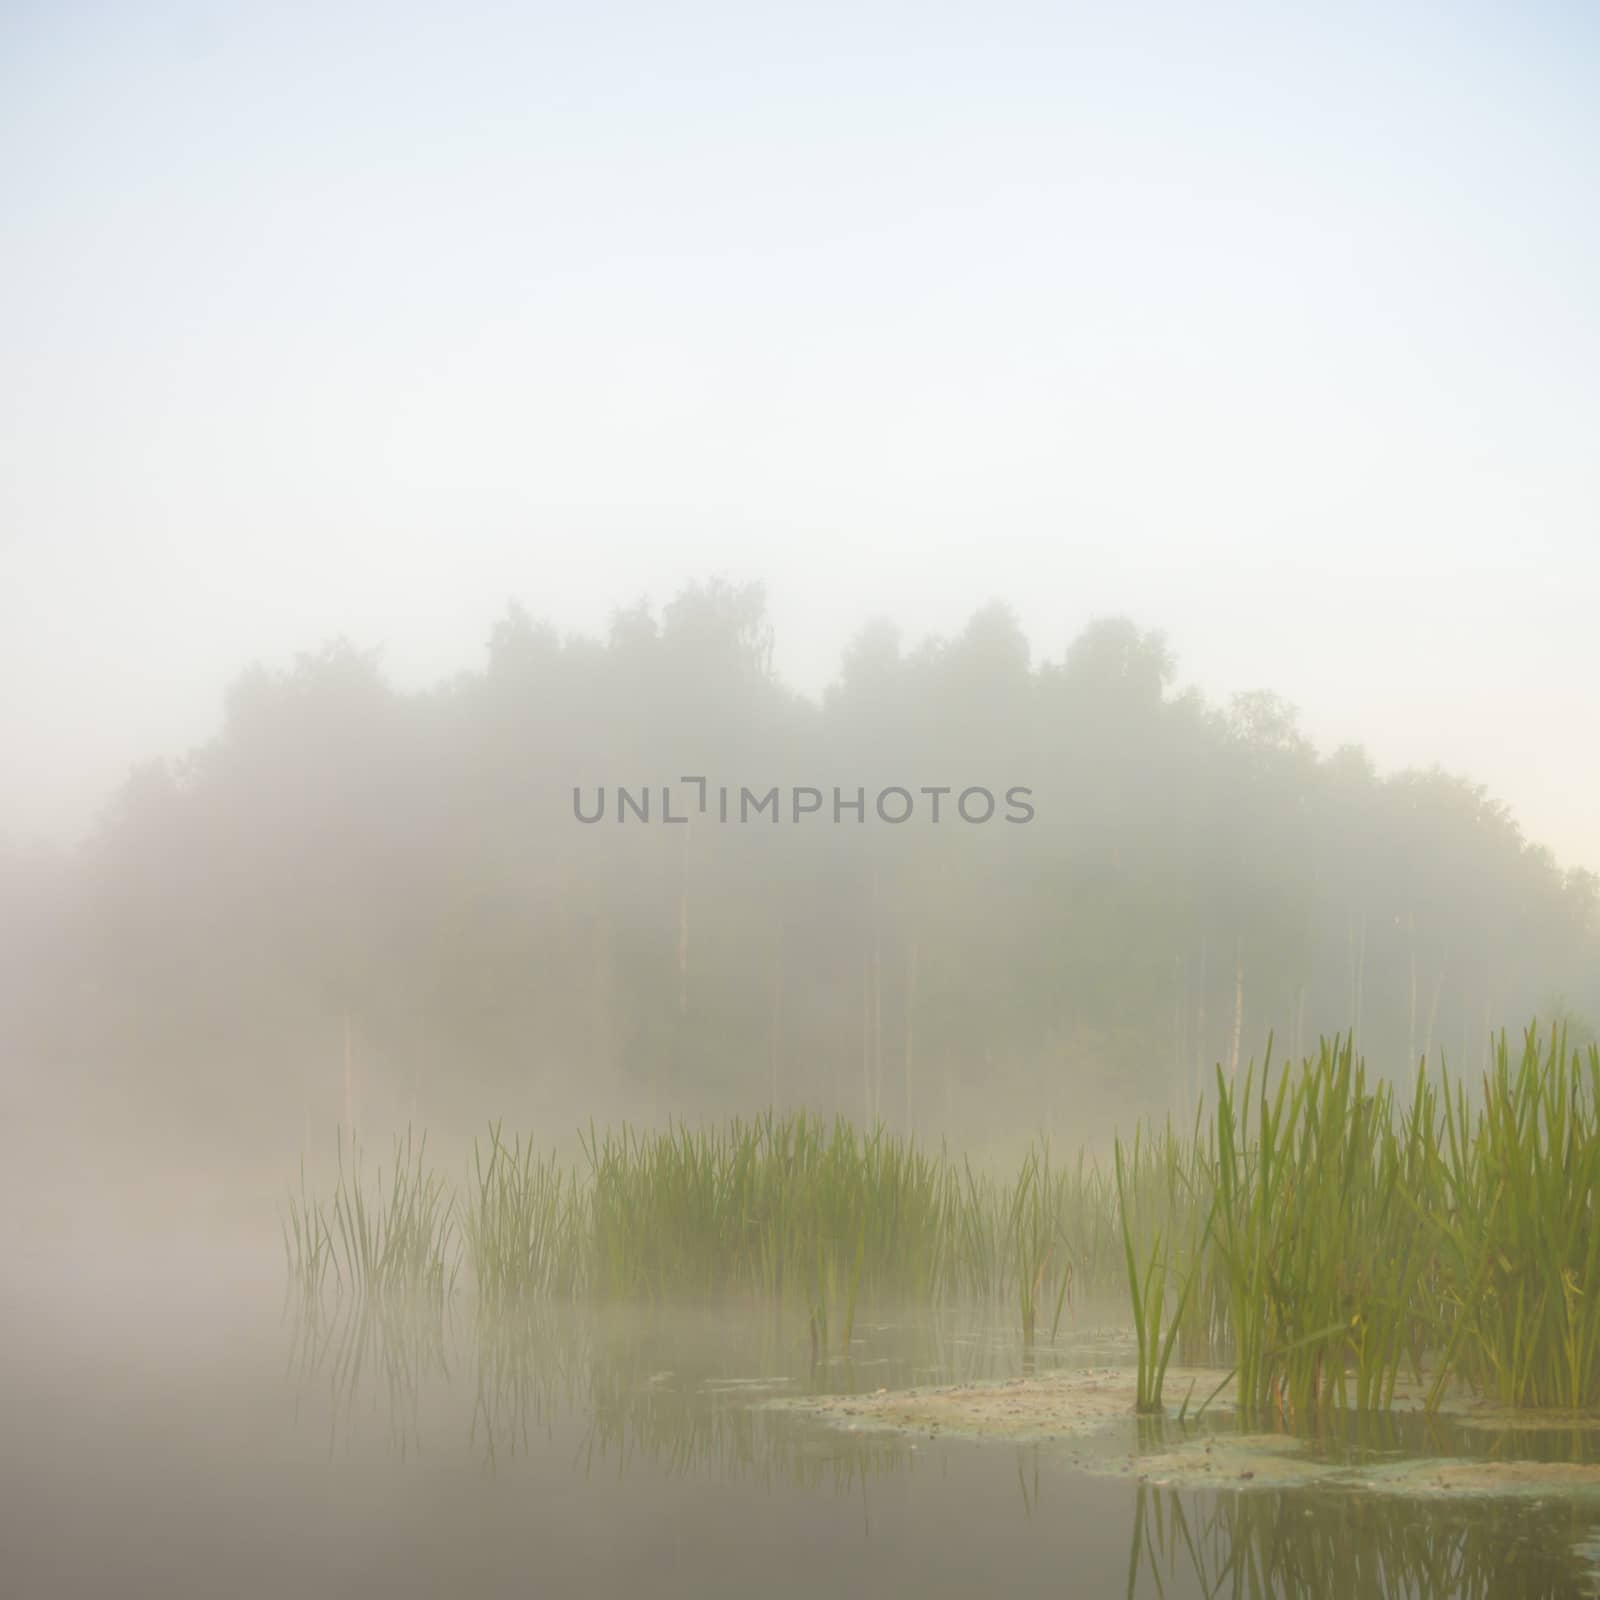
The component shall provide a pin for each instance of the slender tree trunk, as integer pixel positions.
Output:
(1238, 1014)
(877, 1003)
(777, 1009)
(601, 998)
(911, 1011)
(1411, 945)
(349, 1080)
(1358, 973)
(683, 929)
(1180, 1001)
(1433, 1009)
(866, 1043)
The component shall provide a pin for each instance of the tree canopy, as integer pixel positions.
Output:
(346, 867)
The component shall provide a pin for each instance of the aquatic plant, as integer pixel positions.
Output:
(1309, 1229)
(1314, 1240)
(396, 1238)
(1165, 1217)
(523, 1221)
(1351, 1243)
(1295, 1546)
(307, 1244)
(1516, 1188)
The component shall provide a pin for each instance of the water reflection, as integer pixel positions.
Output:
(679, 1389)
(686, 1392)
(370, 1359)
(1295, 1543)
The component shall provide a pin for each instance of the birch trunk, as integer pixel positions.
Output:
(911, 1004)
(1238, 1016)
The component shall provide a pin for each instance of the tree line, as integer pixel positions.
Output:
(353, 891)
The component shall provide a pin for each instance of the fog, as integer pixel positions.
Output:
(412, 420)
(639, 876)
(1274, 333)
(767, 629)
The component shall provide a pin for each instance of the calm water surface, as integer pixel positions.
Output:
(171, 1430)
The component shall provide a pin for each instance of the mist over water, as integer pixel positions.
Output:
(684, 705)
(967, 893)
(209, 1443)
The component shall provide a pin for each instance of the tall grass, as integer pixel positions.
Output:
(1320, 1234)
(791, 1210)
(1517, 1187)
(1166, 1226)
(1350, 1242)
(786, 1208)
(394, 1237)
(522, 1220)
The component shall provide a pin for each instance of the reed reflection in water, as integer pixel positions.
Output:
(688, 1392)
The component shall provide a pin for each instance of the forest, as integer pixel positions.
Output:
(358, 901)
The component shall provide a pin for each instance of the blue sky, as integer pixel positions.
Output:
(1272, 326)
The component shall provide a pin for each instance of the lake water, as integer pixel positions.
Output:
(171, 1430)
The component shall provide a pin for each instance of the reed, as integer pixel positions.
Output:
(1166, 1208)
(394, 1237)
(1516, 1183)
(523, 1222)
(307, 1243)
(1350, 1242)
(1316, 1231)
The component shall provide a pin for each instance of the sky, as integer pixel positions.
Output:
(1276, 328)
